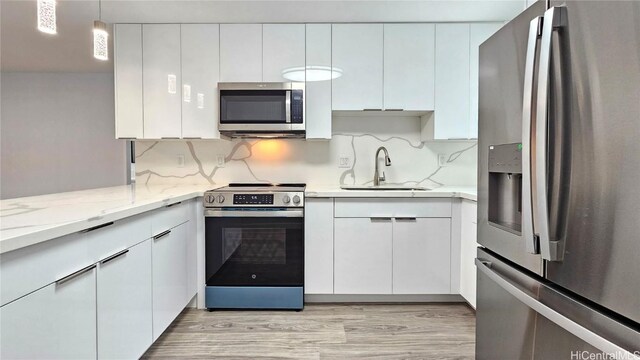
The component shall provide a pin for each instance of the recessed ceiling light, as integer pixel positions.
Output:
(312, 73)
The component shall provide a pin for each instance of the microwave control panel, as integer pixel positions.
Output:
(297, 107)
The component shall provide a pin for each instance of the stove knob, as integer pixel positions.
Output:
(286, 199)
(296, 199)
(220, 199)
(211, 199)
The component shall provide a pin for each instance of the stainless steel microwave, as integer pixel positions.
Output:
(263, 109)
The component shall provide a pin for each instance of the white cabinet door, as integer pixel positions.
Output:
(161, 80)
(57, 321)
(282, 49)
(363, 256)
(240, 52)
(477, 35)
(421, 256)
(169, 258)
(318, 89)
(318, 246)
(356, 50)
(452, 82)
(200, 45)
(409, 65)
(468, 252)
(124, 303)
(127, 73)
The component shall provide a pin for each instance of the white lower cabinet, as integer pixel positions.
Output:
(57, 321)
(318, 246)
(363, 261)
(468, 251)
(421, 256)
(124, 303)
(169, 273)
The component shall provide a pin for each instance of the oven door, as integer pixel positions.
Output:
(255, 247)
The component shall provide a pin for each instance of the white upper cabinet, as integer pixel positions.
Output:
(127, 69)
(282, 49)
(161, 81)
(241, 52)
(478, 34)
(452, 82)
(357, 51)
(200, 45)
(318, 86)
(409, 66)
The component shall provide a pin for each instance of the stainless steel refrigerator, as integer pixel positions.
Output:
(559, 184)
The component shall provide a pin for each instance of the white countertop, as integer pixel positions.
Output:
(31, 220)
(465, 192)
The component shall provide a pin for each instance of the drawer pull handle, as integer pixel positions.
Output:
(393, 109)
(371, 109)
(380, 218)
(75, 274)
(174, 204)
(114, 256)
(162, 234)
(405, 219)
(97, 227)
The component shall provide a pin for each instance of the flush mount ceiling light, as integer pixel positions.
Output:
(100, 37)
(312, 73)
(47, 16)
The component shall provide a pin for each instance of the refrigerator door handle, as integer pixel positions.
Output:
(549, 249)
(529, 205)
(569, 325)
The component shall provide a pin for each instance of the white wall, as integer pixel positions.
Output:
(313, 162)
(57, 133)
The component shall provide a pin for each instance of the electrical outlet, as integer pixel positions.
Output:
(442, 160)
(344, 162)
(180, 160)
(221, 161)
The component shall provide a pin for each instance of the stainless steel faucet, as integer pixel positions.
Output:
(387, 162)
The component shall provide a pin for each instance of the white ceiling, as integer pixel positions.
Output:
(23, 48)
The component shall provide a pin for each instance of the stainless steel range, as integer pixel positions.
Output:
(255, 246)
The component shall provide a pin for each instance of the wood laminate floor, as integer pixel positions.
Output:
(323, 331)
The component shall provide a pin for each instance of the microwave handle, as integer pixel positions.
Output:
(288, 106)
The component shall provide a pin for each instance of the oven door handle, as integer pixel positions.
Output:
(253, 213)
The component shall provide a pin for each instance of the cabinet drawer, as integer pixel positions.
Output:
(122, 234)
(169, 217)
(28, 269)
(393, 207)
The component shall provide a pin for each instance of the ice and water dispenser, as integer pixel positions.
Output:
(505, 187)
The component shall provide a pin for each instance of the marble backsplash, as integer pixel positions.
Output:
(313, 162)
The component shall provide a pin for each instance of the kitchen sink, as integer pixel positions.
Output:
(383, 187)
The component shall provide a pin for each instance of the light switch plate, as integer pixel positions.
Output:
(442, 159)
(345, 162)
(220, 160)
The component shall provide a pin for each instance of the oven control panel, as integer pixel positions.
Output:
(252, 199)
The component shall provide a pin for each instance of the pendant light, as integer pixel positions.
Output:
(47, 16)
(100, 37)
